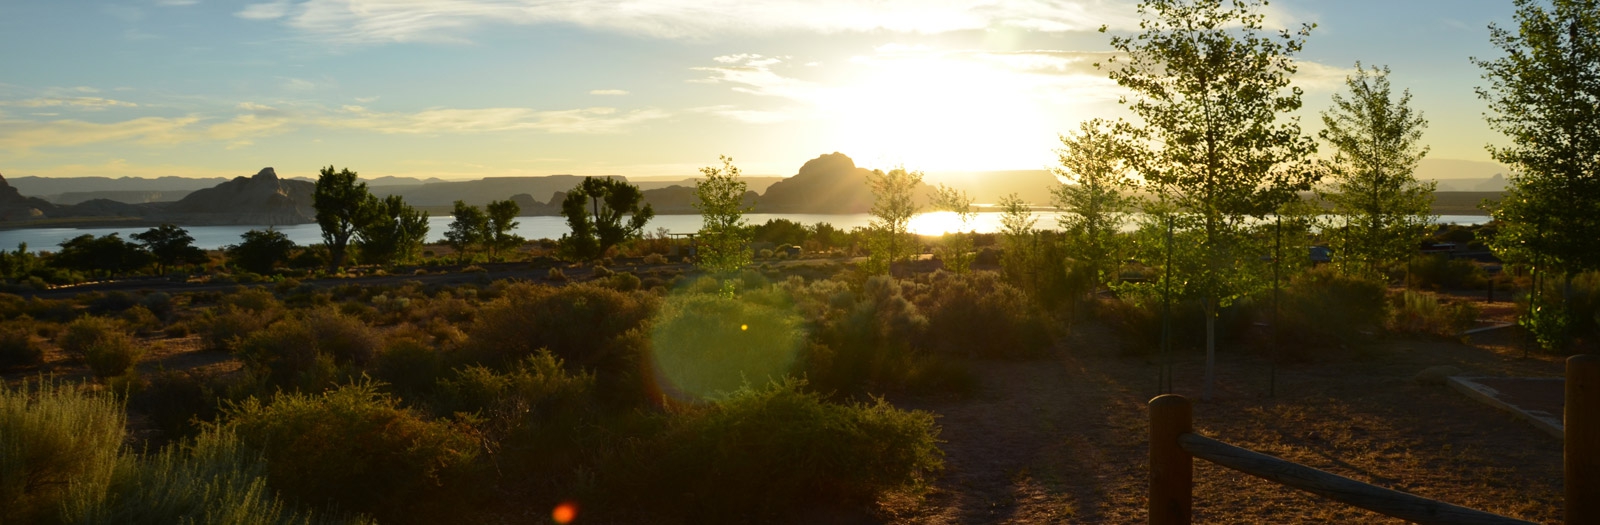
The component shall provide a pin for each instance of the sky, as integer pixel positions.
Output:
(462, 89)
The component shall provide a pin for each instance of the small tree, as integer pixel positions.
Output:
(1385, 211)
(501, 221)
(1017, 242)
(260, 251)
(340, 202)
(893, 205)
(391, 231)
(724, 234)
(1210, 88)
(957, 249)
(170, 245)
(467, 230)
(595, 210)
(1094, 198)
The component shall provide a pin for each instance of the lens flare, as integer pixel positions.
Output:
(565, 512)
(706, 345)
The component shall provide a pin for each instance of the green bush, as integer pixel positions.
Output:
(1423, 313)
(1322, 308)
(707, 345)
(18, 349)
(211, 480)
(766, 453)
(102, 344)
(409, 365)
(356, 449)
(309, 349)
(870, 341)
(1439, 272)
(581, 324)
(223, 327)
(56, 443)
(624, 282)
(533, 388)
(979, 314)
(176, 401)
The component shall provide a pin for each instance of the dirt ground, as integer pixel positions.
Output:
(1065, 439)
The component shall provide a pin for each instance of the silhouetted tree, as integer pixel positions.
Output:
(467, 230)
(171, 246)
(260, 251)
(1094, 198)
(1384, 209)
(501, 221)
(107, 253)
(391, 230)
(893, 205)
(1210, 86)
(957, 249)
(595, 210)
(340, 203)
(724, 234)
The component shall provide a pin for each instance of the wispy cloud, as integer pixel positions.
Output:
(608, 92)
(586, 120)
(25, 135)
(369, 21)
(90, 103)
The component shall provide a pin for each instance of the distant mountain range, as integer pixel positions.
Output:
(830, 183)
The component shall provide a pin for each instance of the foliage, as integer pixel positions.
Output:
(107, 253)
(355, 448)
(594, 211)
(390, 231)
(298, 350)
(1322, 308)
(706, 346)
(724, 233)
(341, 205)
(102, 344)
(1439, 272)
(980, 315)
(18, 265)
(782, 231)
(170, 245)
(1017, 234)
(18, 348)
(1385, 210)
(1209, 87)
(585, 325)
(56, 442)
(957, 251)
(893, 205)
(722, 458)
(1094, 197)
(260, 251)
(1544, 95)
(1423, 313)
(502, 219)
(467, 230)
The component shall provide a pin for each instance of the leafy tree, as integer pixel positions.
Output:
(724, 233)
(18, 265)
(341, 204)
(391, 230)
(467, 230)
(781, 231)
(107, 253)
(501, 220)
(594, 210)
(1384, 209)
(1209, 86)
(957, 250)
(170, 245)
(893, 205)
(260, 251)
(1018, 238)
(1095, 197)
(1544, 95)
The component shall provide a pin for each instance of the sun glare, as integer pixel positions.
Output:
(936, 223)
(935, 112)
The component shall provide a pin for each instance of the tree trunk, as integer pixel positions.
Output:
(1211, 348)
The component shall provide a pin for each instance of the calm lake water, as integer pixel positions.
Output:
(210, 237)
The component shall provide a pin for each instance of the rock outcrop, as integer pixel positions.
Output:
(830, 183)
(260, 199)
(15, 207)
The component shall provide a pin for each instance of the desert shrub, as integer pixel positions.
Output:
(535, 388)
(867, 341)
(1322, 308)
(601, 272)
(1439, 272)
(18, 348)
(55, 310)
(979, 314)
(624, 282)
(765, 453)
(309, 349)
(655, 259)
(109, 302)
(581, 324)
(221, 328)
(102, 344)
(555, 274)
(212, 479)
(253, 299)
(1423, 313)
(141, 320)
(708, 345)
(56, 442)
(356, 449)
(409, 365)
(158, 303)
(177, 400)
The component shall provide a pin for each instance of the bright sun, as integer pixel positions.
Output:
(932, 112)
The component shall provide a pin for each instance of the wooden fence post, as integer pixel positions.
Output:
(1582, 439)
(1171, 467)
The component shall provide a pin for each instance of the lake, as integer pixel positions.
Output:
(211, 237)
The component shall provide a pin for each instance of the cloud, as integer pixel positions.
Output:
(88, 103)
(1314, 76)
(376, 21)
(176, 3)
(24, 135)
(608, 92)
(434, 121)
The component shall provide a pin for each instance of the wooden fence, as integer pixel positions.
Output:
(1174, 445)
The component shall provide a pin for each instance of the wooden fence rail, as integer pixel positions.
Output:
(1174, 445)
